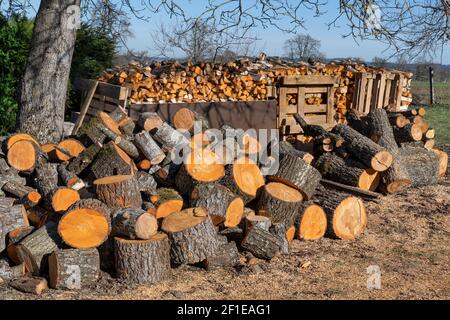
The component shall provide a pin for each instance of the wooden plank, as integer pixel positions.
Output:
(330, 105)
(398, 102)
(315, 108)
(104, 89)
(356, 91)
(381, 91)
(85, 106)
(301, 103)
(375, 91)
(387, 93)
(99, 105)
(291, 108)
(323, 89)
(361, 97)
(309, 80)
(367, 101)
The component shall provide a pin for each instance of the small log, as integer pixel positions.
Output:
(261, 222)
(134, 224)
(34, 285)
(143, 261)
(192, 235)
(430, 134)
(310, 222)
(366, 194)
(12, 139)
(38, 216)
(13, 238)
(85, 225)
(429, 144)
(364, 149)
(281, 202)
(84, 159)
(348, 171)
(227, 256)
(28, 196)
(68, 149)
(262, 244)
(69, 178)
(146, 182)
(166, 201)
(127, 126)
(122, 142)
(119, 191)
(89, 133)
(422, 165)
(296, 173)
(346, 214)
(149, 147)
(286, 148)
(222, 205)
(108, 122)
(35, 248)
(356, 121)
(112, 160)
(63, 198)
(22, 156)
(11, 218)
(410, 132)
(170, 139)
(144, 165)
(73, 269)
(443, 161)
(149, 121)
(46, 180)
(398, 120)
(280, 230)
(244, 178)
(185, 119)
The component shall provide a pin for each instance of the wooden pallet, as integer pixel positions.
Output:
(378, 90)
(321, 114)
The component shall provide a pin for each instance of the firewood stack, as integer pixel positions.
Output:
(115, 198)
(240, 80)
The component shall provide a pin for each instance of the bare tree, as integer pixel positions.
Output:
(303, 47)
(379, 62)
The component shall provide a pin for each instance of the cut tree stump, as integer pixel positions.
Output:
(281, 202)
(22, 156)
(134, 224)
(296, 173)
(348, 171)
(222, 205)
(227, 256)
(34, 249)
(364, 149)
(422, 165)
(119, 191)
(192, 235)
(63, 198)
(85, 225)
(261, 243)
(34, 285)
(111, 160)
(73, 269)
(310, 222)
(346, 214)
(244, 178)
(143, 261)
(149, 148)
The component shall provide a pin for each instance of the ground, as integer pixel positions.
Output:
(407, 237)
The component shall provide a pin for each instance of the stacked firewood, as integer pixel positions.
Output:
(113, 197)
(240, 80)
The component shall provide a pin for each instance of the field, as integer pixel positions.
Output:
(421, 92)
(439, 118)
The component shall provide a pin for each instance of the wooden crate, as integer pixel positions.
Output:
(378, 90)
(301, 86)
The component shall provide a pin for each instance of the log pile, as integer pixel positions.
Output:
(140, 200)
(240, 80)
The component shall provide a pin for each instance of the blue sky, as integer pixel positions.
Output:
(272, 40)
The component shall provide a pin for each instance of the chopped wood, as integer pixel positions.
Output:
(310, 222)
(134, 224)
(261, 243)
(34, 285)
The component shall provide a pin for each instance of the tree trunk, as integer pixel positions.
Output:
(44, 85)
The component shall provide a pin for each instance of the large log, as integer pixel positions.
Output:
(134, 224)
(364, 149)
(22, 156)
(86, 224)
(143, 261)
(296, 173)
(222, 205)
(310, 222)
(192, 235)
(119, 191)
(422, 165)
(73, 269)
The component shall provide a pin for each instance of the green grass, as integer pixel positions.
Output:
(439, 118)
(421, 92)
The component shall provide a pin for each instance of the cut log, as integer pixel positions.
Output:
(185, 119)
(261, 222)
(146, 182)
(296, 173)
(398, 120)
(170, 139)
(63, 198)
(22, 156)
(28, 196)
(35, 248)
(119, 191)
(12, 139)
(429, 144)
(149, 147)
(134, 224)
(127, 126)
(144, 165)
(122, 142)
(443, 161)
(286, 148)
(261, 243)
(310, 222)
(312, 130)
(69, 178)
(244, 178)
(143, 261)
(364, 149)
(34, 285)
(46, 180)
(38, 216)
(222, 205)
(84, 159)
(73, 269)
(11, 218)
(112, 160)
(356, 121)
(166, 201)
(192, 235)
(149, 121)
(280, 230)
(109, 123)
(422, 165)
(281, 202)
(346, 214)
(410, 132)
(227, 256)
(430, 134)
(68, 149)
(13, 239)
(350, 172)
(90, 134)
(85, 225)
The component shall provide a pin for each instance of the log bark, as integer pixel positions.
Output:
(422, 166)
(192, 235)
(227, 256)
(134, 224)
(223, 206)
(296, 173)
(146, 182)
(34, 285)
(13, 239)
(410, 132)
(262, 244)
(143, 261)
(119, 191)
(9, 273)
(252, 221)
(170, 139)
(11, 218)
(44, 85)
(122, 142)
(73, 269)
(166, 201)
(110, 161)
(280, 230)
(69, 178)
(46, 180)
(357, 122)
(149, 147)
(364, 149)
(286, 148)
(149, 121)
(28, 196)
(80, 163)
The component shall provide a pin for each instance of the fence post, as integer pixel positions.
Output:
(431, 73)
